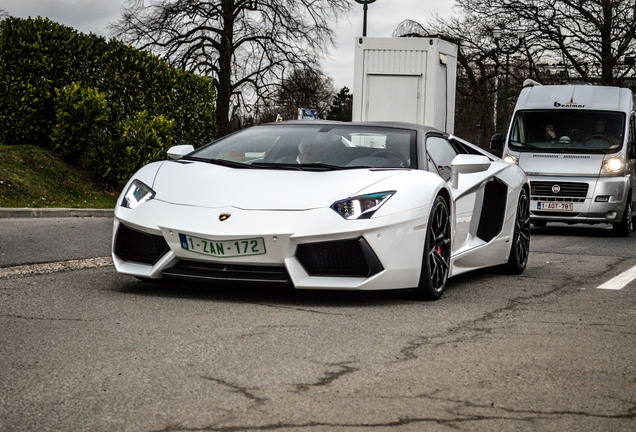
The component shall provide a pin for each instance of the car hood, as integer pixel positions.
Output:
(559, 164)
(206, 185)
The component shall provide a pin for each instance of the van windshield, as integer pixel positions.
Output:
(567, 131)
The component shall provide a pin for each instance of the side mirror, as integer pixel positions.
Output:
(467, 164)
(497, 144)
(179, 151)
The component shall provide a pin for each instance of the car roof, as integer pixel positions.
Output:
(392, 124)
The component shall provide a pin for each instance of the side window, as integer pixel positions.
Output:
(440, 154)
(463, 148)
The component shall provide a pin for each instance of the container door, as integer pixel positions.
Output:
(393, 98)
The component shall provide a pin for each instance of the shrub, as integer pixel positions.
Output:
(141, 139)
(80, 119)
(41, 102)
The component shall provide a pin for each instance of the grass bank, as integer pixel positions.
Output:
(34, 177)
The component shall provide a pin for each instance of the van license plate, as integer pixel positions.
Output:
(223, 248)
(555, 206)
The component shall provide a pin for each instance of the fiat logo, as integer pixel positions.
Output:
(556, 189)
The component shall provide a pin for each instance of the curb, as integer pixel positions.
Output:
(6, 213)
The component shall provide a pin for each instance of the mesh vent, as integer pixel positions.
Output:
(339, 258)
(140, 247)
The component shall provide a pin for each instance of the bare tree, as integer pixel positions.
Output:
(589, 38)
(476, 72)
(301, 88)
(305, 88)
(245, 45)
(565, 40)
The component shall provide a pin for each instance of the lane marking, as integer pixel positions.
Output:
(54, 267)
(620, 281)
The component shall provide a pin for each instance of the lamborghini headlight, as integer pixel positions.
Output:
(361, 207)
(137, 194)
(611, 166)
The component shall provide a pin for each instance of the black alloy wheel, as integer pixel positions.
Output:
(437, 251)
(520, 248)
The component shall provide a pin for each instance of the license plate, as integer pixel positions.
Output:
(555, 206)
(223, 248)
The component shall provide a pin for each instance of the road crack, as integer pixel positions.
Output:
(329, 376)
(476, 327)
(244, 391)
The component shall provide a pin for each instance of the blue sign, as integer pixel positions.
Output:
(307, 114)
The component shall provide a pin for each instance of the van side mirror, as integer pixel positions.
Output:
(497, 144)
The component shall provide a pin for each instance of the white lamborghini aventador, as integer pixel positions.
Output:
(325, 205)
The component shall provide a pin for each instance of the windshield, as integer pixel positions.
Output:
(567, 131)
(314, 146)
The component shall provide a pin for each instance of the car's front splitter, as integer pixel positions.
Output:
(394, 241)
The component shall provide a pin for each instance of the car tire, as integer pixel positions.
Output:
(621, 229)
(520, 248)
(437, 251)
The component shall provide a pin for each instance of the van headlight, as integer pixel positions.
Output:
(612, 166)
(510, 159)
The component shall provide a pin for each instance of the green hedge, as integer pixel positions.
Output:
(140, 140)
(79, 94)
(81, 117)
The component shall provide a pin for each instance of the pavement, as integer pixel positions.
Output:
(57, 237)
(53, 212)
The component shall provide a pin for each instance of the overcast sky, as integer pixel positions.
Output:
(383, 17)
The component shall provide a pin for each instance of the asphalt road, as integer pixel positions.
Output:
(89, 350)
(41, 240)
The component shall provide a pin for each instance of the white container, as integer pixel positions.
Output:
(405, 79)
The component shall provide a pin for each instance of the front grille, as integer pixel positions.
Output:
(339, 258)
(567, 189)
(558, 199)
(198, 270)
(140, 247)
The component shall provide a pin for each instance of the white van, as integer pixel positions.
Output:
(577, 143)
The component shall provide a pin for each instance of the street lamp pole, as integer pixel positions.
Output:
(496, 34)
(365, 7)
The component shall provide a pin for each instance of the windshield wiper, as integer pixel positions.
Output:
(222, 162)
(317, 166)
(522, 144)
(277, 165)
(297, 166)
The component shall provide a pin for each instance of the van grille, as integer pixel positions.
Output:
(543, 190)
